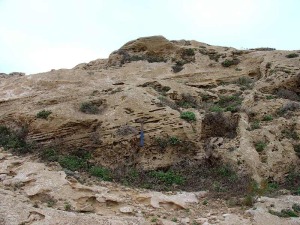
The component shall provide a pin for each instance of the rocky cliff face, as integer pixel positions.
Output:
(198, 102)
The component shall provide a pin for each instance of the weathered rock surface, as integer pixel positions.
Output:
(137, 82)
(46, 196)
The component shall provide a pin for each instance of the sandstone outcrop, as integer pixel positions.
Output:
(139, 82)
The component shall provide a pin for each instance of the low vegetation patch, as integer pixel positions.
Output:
(167, 178)
(292, 55)
(263, 49)
(216, 108)
(245, 83)
(189, 52)
(188, 116)
(260, 146)
(269, 97)
(49, 154)
(292, 181)
(255, 125)
(15, 141)
(89, 108)
(230, 103)
(230, 62)
(43, 114)
(187, 101)
(219, 125)
(151, 58)
(187, 176)
(290, 133)
(297, 149)
(100, 172)
(155, 58)
(284, 213)
(165, 101)
(288, 94)
(267, 118)
(290, 106)
(178, 67)
(72, 162)
(181, 146)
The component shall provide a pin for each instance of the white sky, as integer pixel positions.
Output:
(40, 35)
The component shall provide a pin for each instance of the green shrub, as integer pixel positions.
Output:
(72, 162)
(100, 172)
(255, 125)
(269, 97)
(178, 67)
(260, 146)
(284, 213)
(292, 181)
(263, 49)
(168, 177)
(67, 206)
(297, 149)
(189, 52)
(216, 108)
(267, 118)
(296, 207)
(175, 220)
(11, 140)
(226, 171)
(188, 116)
(249, 200)
(89, 108)
(43, 114)
(153, 220)
(291, 134)
(292, 55)
(228, 62)
(155, 58)
(187, 101)
(218, 186)
(232, 108)
(227, 103)
(174, 141)
(50, 154)
(230, 100)
(51, 203)
(162, 142)
(165, 89)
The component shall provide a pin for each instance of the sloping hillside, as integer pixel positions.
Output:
(215, 118)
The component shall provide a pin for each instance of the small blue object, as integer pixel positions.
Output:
(142, 139)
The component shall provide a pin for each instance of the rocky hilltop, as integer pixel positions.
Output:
(215, 118)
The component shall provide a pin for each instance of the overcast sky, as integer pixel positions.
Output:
(40, 35)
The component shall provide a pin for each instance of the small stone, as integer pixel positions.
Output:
(201, 220)
(126, 209)
(185, 220)
(3, 176)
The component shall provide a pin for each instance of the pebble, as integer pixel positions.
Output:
(201, 220)
(126, 209)
(185, 220)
